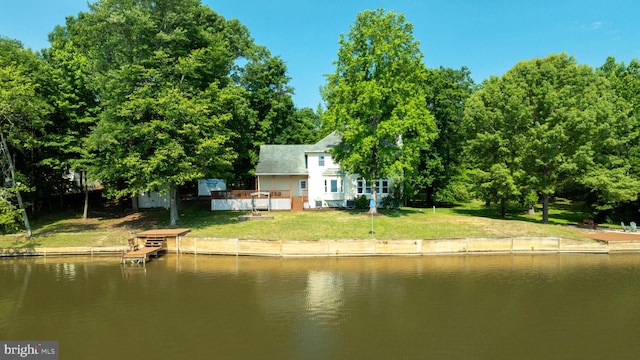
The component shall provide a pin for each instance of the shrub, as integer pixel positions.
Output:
(9, 213)
(362, 202)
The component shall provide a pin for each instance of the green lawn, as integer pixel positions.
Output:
(113, 227)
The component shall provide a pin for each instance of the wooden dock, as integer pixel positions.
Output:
(142, 255)
(613, 236)
(153, 243)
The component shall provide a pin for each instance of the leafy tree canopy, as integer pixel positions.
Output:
(161, 71)
(438, 175)
(542, 124)
(376, 98)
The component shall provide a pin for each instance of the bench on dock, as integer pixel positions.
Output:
(588, 224)
(155, 242)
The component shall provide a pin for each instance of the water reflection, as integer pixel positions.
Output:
(324, 295)
(65, 271)
(185, 306)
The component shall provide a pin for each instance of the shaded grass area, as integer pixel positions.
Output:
(561, 212)
(112, 226)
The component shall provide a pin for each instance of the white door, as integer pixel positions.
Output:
(303, 188)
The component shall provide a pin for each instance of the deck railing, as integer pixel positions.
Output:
(246, 194)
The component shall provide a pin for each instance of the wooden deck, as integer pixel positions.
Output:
(162, 233)
(610, 236)
(142, 255)
(154, 242)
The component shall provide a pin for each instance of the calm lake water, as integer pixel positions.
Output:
(433, 307)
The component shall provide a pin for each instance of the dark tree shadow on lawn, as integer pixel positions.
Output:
(399, 212)
(560, 213)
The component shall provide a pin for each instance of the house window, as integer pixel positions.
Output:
(334, 186)
(364, 187)
(321, 160)
(331, 186)
(383, 186)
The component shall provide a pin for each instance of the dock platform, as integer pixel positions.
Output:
(141, 255)
(153, 243)
(613, 236)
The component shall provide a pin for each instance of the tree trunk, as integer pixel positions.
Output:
(134, 203)
(545, 208)
(86, 197)
(24, 214)
(173, 209)
(12, 169)
(503, 208)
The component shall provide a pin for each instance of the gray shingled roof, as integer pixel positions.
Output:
(282, 160)
(326, 144)
(290, 159)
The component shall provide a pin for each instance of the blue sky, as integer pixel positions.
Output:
(488, 37)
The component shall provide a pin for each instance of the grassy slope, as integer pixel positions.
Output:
(114, 226)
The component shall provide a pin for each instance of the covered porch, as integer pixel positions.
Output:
(248, 200)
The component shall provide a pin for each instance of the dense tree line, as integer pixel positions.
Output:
(143, 95)
(547, 127)
(551, 127)
(153, 95)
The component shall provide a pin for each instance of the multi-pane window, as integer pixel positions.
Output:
(364, 187)
(383, 186)
(320, 159)
(332, 185)
(360, 185)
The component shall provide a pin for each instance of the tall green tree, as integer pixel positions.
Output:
(161, 72)
(267, 114)
(438, 174)
(614, 183)
(24, 114)
(75, 109)
(376, 99)
(541, 125)
(305, 127)
(494, 170)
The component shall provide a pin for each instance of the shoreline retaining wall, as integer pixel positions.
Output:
(399, 247)
(347, 247)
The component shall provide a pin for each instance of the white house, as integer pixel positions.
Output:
(308, 176)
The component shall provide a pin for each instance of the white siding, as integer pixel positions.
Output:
(317, 193)
(153, 199)
(245, 204)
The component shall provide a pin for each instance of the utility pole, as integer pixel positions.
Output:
(5, 150)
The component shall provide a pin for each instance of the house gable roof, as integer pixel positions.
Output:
(290, 159)
(282, 160)
(325, 145)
